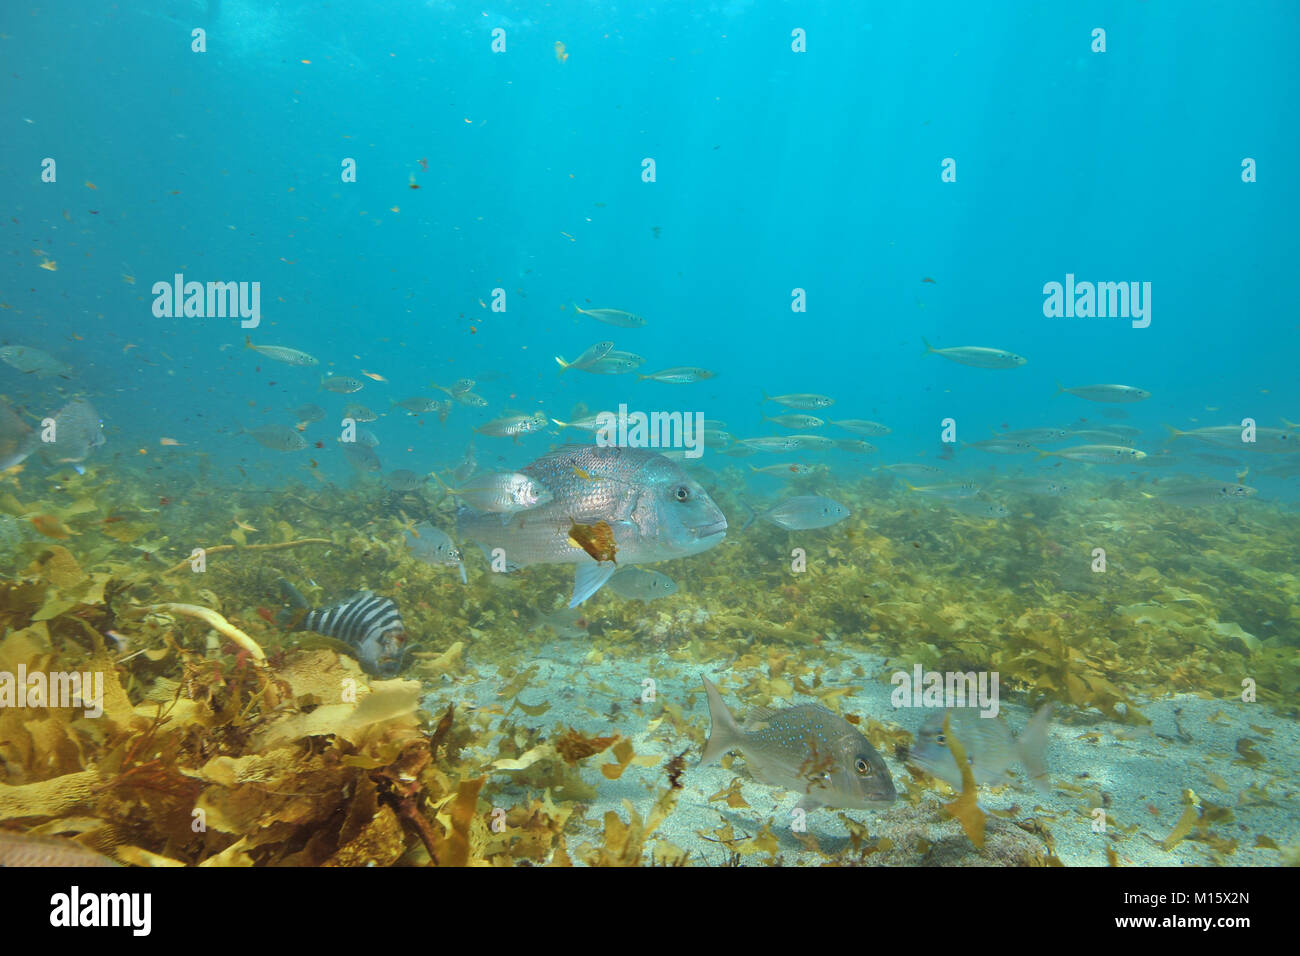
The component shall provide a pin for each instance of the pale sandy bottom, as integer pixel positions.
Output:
(1139, 774)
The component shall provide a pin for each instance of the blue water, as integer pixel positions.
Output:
(775, 171)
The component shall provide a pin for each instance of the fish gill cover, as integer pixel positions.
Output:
(305, 417)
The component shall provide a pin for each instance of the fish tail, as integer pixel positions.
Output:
(560, 423)
(1043, 454)
(766, 397)
(248, 342)
(910, 486)
(1291, 426)
(753, 515)
(1033, 745)
(1059, 389)
(725, 733)
(563, 364)
(1174, 433)
(578, 308)
(928, 347)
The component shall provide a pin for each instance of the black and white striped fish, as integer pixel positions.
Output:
(370, 624)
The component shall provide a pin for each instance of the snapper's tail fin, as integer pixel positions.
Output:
(724, 733)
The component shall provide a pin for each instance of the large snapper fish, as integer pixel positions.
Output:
(656, 513)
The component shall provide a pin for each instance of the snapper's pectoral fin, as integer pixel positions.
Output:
(590, 578)
(808, 802)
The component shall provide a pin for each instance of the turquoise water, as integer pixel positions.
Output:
(907, 174)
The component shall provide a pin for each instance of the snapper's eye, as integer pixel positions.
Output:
(941, 739)
(682, 493)
(863, 767)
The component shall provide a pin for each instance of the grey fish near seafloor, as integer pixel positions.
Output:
(30, 849)
(990, 746)
(78, 431)
(805, 748)
(654, 511)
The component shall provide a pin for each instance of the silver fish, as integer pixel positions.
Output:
(361, 457)
(990, 747)
(1202, 493)
(78, 431)
(504, 492)
(512, 426)
(861, 426)
(419, 405)
(1002, 446)
(978, 356)
(654, 511)
(17, 440)
(1106, 393)
(434, 546)
(680, 375)
(913, 468)
(641, 584)
(565, 622)
(856, 445)
(470, 400)
(466, 466)
(805, 748)
(795, 420)
(791, 469)
(1035, 435)
(279, 353)
(813, 442)
(1267, 440)
(34, 362)
(588, 358)
(616, 363)
(802, 513)
(624, 320)
(948, 491)
(403, 479)
(737, 450)
(772, 443)
(803, 400)
(1034, 486)
(359, 413)
(342, 384)
(591, 423)
(1100, 436)
(364, 436)
(1098, 454)
(277, 437)
(459, 387)
(307, 414)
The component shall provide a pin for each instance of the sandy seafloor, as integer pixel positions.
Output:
(1140, 774)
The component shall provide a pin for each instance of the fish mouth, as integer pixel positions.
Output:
(718, 527)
